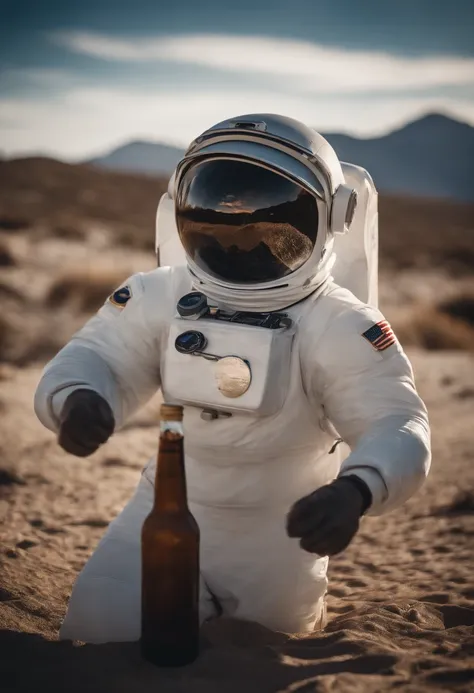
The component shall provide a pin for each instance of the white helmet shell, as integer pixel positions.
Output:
(297, 152)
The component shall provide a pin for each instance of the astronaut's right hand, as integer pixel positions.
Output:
(86, 422)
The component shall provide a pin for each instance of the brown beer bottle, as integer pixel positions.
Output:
(170, 557)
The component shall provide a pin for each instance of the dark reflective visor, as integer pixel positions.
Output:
(242, 223)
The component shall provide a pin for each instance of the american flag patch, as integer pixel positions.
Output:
(380, 335)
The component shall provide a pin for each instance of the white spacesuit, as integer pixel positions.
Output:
(274, 363)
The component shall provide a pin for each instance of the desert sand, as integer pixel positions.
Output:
(401, 598)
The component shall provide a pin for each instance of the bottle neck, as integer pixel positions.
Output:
(170, 482)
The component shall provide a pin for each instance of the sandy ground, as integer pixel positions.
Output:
(401, 600)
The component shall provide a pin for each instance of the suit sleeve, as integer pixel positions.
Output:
(369, 395)
(116, 353)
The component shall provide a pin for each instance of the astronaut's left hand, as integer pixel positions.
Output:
(327, 520)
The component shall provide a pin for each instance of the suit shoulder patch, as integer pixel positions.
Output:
(380, 335)
(121, 297)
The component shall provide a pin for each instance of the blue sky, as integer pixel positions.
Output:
(79, 77)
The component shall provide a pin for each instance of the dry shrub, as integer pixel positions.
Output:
(6, 257)
(84, 290)
(431, 329)
(69, 232)
(425, 233)
(8, 336)
(40, 348)
(22, 344)
(460, 307)
(8, 477)
(12, 223)
(35, 339)
(4, 327)
(42, 192)
(138, 239)
(461, 504)
(9, 292)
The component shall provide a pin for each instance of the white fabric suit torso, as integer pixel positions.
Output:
(245, 472)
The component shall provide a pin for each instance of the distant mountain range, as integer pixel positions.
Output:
(432, 157)
(154, 158)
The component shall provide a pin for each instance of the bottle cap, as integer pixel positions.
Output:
(171, 412)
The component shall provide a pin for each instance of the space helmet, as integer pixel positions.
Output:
(257, 202)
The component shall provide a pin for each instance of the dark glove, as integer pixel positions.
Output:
(86, 421)
(327, 520)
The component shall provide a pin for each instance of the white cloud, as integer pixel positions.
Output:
(72, 115)
(84, 121)
(309, 66)
(39, 76)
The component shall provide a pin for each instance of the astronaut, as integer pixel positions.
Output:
(275, 364)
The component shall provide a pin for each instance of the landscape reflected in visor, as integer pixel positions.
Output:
(242, 223)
